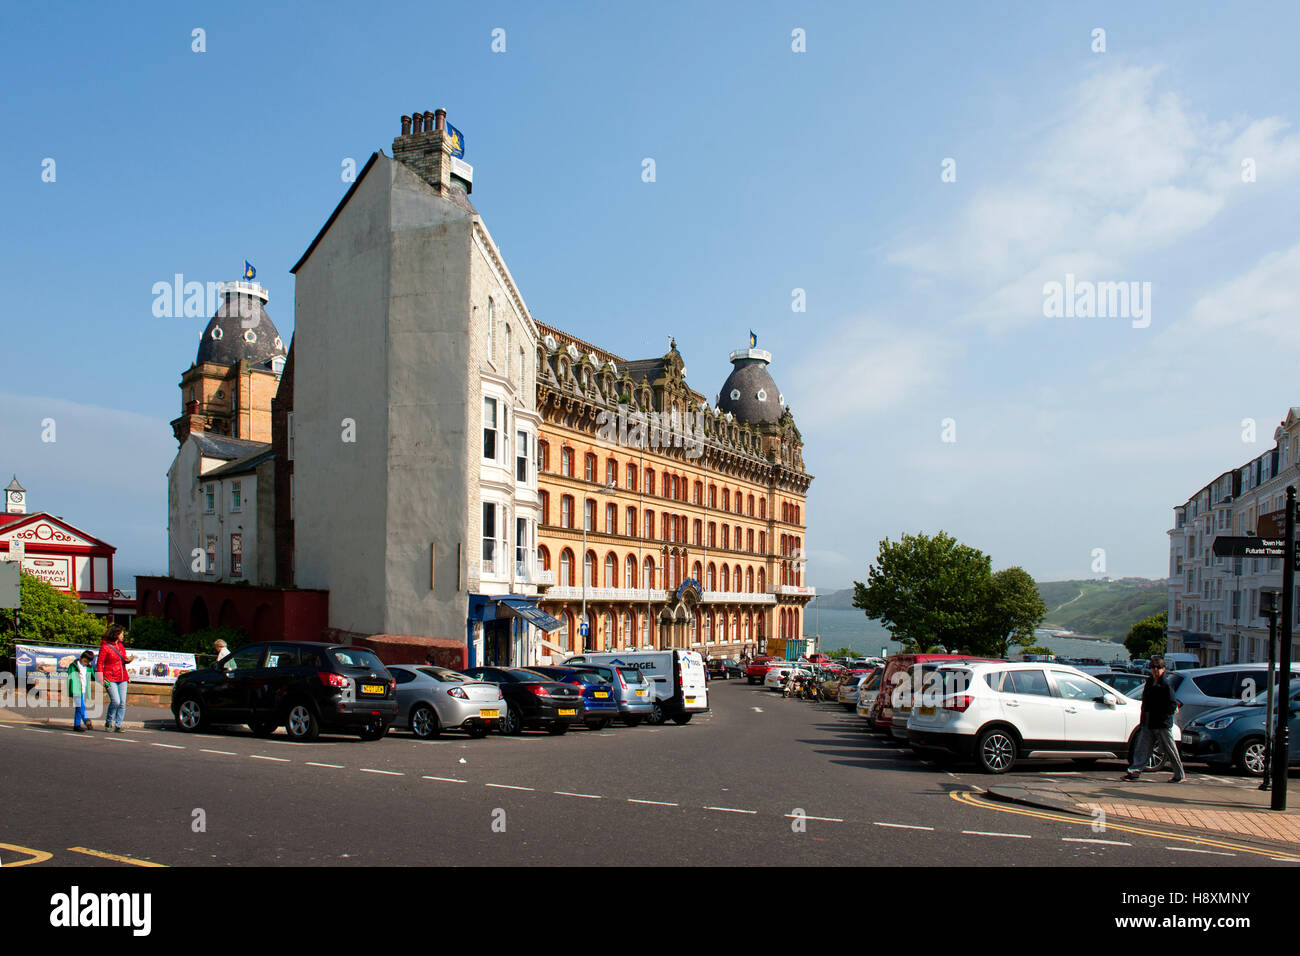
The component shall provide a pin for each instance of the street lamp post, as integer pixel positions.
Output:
(1269, 608)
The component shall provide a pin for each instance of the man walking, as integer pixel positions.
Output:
(1158, 709)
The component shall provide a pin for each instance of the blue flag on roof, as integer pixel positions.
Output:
(753, 339)
(249, 271)
(457, 141)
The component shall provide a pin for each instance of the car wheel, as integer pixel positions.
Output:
(656, 715)
(682, 718)
(190, 715)
(632, 719)
(996, 750)
(301, 723)
(374, 731)
(558, 729)
(477, 729)
(263, 728)
(512, 723)
(424, 722)
(603, 723)
(1249, 756)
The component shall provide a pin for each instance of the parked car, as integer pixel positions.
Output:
(1234, 736)
(757, 669)
(433, 699)
(1203, 689)
(598, 693)
(1125, 682)
(779, 672)
(676, 678)
(999, 713)
(847, 692)
(533, 699)
(723, 668)
(894, 698)
(631, 689)
(305, 687)
(1181, 662)
(868, 690)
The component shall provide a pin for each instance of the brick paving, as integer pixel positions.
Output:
(1264, 825)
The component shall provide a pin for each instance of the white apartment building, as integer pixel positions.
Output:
(1213, 601)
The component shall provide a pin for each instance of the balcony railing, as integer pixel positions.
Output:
(798, 589)
(574, 593)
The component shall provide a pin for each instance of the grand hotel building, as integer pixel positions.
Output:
(664, 541)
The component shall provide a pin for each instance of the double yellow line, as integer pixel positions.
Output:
(971, 798)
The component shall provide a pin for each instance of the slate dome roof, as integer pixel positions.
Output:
(749, 392)
(241, 330)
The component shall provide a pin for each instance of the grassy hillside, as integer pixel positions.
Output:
(1101, 608)
(1089, 607)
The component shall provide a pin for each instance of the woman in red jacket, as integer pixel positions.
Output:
(111, 666)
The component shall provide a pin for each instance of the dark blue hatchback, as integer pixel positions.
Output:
(597, 694)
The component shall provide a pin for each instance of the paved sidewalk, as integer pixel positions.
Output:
(137, 716)
(1225, 805)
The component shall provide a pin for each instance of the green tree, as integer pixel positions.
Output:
(841, 652)
(929, 591)
(1147, 637)
(48, 616)
(1015, 609)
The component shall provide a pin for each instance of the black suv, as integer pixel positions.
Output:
(304, 687)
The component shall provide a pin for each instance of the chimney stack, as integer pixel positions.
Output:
(424, 147)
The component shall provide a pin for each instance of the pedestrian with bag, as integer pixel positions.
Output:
(111, 666)
(79, 682)
(1158, 709)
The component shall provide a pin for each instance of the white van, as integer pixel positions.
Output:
(681, 690)
(1182, 662)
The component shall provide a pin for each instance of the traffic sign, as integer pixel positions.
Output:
(582, 629)
(1249, 546)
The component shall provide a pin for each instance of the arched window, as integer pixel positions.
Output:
(589, 572)
(749, 539)
(713, 535)
(726, 578)
(589, 466)
(735, 576)
(762, 506)
(566, 462)
(611, 472)
(648, 573)
(749, 580)
(544, 499)
(699, 492)
(544, 455)
(566, 568)
(611, 519)
(711, 583)
(566, 511)
(708, 627)
(649, 523)
(722, 626)
(695, 571)
(608, 626)
(589, 514)
(611, 570)
(726, 499)
(566, 630)
(625, 630)
(649, 481)
(630, 528)
(631, 477)
(762, 542)
(696, 531)
(631, 571)
(713, 496)
(544, 557)
(750, 503)
(762, 581)
(739, 499)
(726, 536)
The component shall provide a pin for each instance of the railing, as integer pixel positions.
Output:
(796, 589)
(737, 597)
(570, 593)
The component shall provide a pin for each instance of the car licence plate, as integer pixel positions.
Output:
(568, 713)
(640, 693)
(601, 693)
(926, 711)
(489, 713)
(372, 689)
(690, 700)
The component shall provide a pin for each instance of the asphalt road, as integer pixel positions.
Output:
(728, 788)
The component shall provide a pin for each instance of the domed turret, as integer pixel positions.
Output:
(241, 330)
(749, 392)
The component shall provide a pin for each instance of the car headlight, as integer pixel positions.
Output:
(1219, 723)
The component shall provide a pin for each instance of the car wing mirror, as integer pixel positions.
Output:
(1107, 699)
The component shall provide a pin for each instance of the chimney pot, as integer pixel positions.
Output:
(440, 118)
(417, 122)
(428, 121)
(406, 125)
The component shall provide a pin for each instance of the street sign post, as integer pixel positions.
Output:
(1249, 546)
(9, 588)
(1281, 745)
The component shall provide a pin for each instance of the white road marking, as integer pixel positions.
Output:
(758, 710)
(804, 816)
(730, 810)
(447, 779)
(900, 826)
(169, 746)
(1018, 836)
(35, 731)
(657, 803)
(124, 740)
(506, 786)
(565, 793)
(391, 773)
(1188, 849)
(277, 759)
(1059, 773)
(224, 753)
(332, 766)
(1106, 842)
(6, 726)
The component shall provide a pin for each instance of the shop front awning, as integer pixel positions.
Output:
(530, 612)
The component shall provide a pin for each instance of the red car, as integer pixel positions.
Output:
(757, 669)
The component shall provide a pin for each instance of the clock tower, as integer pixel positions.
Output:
(15, 498)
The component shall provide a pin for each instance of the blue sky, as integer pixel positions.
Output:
(775, 171)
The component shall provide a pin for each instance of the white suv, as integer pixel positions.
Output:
(999, 713)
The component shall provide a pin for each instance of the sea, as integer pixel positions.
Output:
(849, 627)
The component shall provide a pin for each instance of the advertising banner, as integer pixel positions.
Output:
(149, 667)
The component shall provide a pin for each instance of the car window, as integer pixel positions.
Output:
(401, 675)
(1032, 682)
(245, 660)
(356, 658)
(632, 675)
(1077, 688)
(527, 676)
(443, 675)
(282, 656)
(1216, 685)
